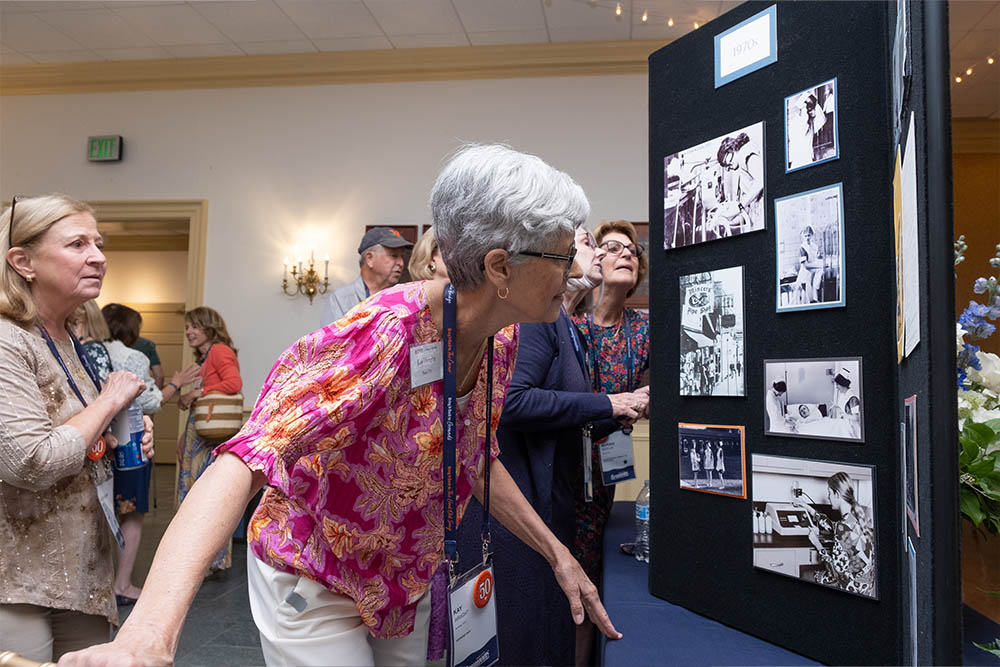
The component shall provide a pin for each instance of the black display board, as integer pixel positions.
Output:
(702, 554)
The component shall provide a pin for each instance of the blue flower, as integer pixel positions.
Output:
(980, 286)
(973, 320)
(968, 358)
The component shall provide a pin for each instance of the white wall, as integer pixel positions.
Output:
(145, 277)
(311, 166)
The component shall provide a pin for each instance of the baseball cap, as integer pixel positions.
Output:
(384, 236)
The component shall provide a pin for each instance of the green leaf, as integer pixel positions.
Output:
(982, 467)
(969, 503)
(981, 434)
(970, 450)
(994, 424)
(993, 647)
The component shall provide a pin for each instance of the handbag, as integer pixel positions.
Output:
(218, 416)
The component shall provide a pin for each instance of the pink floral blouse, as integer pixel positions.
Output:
(352, 455)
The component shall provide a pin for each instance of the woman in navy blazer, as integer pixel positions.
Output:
(541, 444)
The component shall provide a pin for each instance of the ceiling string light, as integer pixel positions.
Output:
(646, 17)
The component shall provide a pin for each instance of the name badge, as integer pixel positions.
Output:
(426, 364)
(473, 619)
(617, 459)
(106, 496)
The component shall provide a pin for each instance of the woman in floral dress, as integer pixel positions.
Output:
(618, 347)
(847, 545)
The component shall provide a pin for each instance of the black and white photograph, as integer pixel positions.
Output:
(712, 459)
(821, 399)
(910, 434)
(712, 361)
(811, 133)
(815, 521)
(809, 233)
(714, 190)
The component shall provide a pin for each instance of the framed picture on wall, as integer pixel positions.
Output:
(712, 459)
(814, 398)
(712, 359)
(809, 233)
(815, 521)
(811, 132)
(715, 190)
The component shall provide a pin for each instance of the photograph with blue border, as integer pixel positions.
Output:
(809, 235)
(812, 132)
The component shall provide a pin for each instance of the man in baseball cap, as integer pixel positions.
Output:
(381, 256)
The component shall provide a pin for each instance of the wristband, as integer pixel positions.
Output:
(176, 388)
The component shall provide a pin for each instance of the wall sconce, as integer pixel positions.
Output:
(306, 281)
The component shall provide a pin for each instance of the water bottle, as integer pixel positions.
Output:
(642, 524)
(128, 427)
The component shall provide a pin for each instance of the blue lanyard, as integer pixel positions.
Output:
(629, 359)
(574, 336)
(449, 454)
(81, 354)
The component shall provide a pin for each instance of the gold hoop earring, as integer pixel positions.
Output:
(506, 293)
(432, 268)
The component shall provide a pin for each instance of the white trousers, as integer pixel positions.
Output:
(302, 622)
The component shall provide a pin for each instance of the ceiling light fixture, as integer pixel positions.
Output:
(670, 21)
(645, 16)
(618, 10)
(990, 60)
(958, 79)
(968, 72)
(696, 25)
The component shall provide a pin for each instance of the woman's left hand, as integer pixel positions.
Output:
(185, 401)
(582, 595)
(147, 437)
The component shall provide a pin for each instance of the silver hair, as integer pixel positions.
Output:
(491, 196)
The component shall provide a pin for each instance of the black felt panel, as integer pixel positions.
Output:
(702, 545)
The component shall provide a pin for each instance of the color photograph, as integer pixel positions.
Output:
(714, 190)
(814, 398)
(712, 459)
(809, 232)
(811, 132)
(712, 343)
(815, 521)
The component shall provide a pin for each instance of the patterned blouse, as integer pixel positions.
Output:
(55, 545)
(608, 343)
(850, 560)
(352, 455)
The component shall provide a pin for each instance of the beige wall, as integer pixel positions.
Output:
(312, 165)
(145, 277)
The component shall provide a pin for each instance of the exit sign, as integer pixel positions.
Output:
(104, 149)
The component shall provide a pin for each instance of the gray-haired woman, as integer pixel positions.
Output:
(56, 550)
(349, 437)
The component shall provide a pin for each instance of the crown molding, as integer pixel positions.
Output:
(334, 67)
(975, 135)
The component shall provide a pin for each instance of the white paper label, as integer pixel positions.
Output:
(745, 45)
(426, 363)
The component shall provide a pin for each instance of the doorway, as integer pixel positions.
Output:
(156, 265)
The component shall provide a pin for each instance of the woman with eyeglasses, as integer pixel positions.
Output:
(56, 546)
(549, 408)
(355, 442)
(618, 349)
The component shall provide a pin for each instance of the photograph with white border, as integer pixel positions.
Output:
(814, 398)
(809, 234)
(811, 127)
(715, 190)
(815, 521)
(712, 359)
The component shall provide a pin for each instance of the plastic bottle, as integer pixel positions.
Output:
(768, 524)
(642, 524)
(756, 523)
(129, 428)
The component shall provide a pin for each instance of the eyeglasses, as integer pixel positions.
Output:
(552, 255)
(10, 225)
(616, 248)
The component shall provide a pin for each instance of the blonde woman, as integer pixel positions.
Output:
(57, 554)
(425, 260)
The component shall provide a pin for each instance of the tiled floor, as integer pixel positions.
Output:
(219, 629)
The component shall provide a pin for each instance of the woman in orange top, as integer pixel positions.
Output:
(206, 333)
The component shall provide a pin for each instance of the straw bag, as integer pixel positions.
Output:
(218, 416)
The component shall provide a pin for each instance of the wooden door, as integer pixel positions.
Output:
(163, 323)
